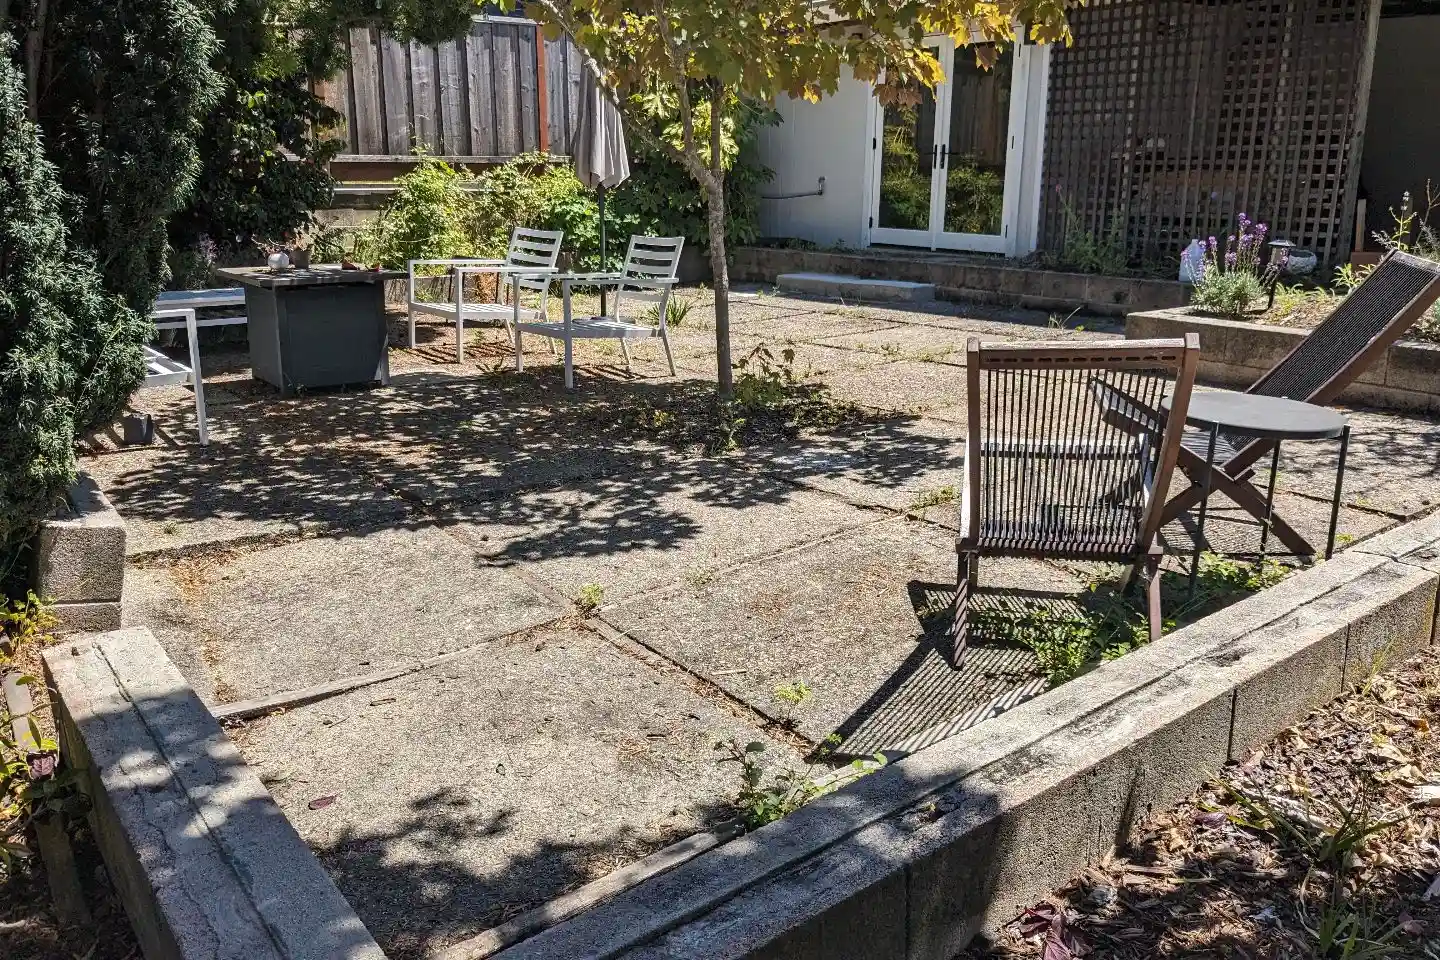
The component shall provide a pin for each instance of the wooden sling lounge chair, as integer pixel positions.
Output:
(1044, 462)
(1390, 299)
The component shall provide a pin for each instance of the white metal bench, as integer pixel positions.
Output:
(161, 371)
(199, 300)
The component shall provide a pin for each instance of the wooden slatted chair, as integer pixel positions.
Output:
(1043, 463)
(645, 283)
(532, 254)
(1336, 353)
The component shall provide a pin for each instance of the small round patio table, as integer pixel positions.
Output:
(1256, 417)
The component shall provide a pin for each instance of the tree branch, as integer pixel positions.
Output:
(673, 52)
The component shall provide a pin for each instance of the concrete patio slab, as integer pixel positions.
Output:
(467, 793)
(906, 386)
(902, 464)
(854, 619)
(179, 499)
(632, 534)
(321, 609)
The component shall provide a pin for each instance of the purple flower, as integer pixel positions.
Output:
(1230, 259)
(1243, 220)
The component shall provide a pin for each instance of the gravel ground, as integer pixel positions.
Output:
(1323, 844)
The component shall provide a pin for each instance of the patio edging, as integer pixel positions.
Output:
(78, 561)
(917, 858)
(1236, 353)
(973, 279)
(203, 859)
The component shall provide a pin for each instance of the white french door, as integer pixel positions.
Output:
(946, 168)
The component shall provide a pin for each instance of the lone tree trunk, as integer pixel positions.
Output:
(715, 202)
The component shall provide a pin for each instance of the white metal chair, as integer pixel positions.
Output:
(161, 371)
(651, 264)
(532, 254)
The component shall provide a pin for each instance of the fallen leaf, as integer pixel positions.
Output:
(320, 803)
(1426, 795)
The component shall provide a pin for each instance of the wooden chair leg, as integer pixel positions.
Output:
(966, 570)
(1152, 596)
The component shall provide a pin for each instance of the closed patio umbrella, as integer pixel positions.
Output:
(601, 161)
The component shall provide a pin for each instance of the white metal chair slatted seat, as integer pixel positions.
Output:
(161, 371)
(649, 275)
(532, 255)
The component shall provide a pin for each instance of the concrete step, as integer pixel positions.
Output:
(855, 288)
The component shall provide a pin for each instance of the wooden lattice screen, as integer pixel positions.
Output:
(1168, 118)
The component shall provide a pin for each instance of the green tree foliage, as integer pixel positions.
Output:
(264, 149)
(691, 59)
(69, 352)
(120, 95)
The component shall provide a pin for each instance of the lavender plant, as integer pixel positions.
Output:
(1232, 278)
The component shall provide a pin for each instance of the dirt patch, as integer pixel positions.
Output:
(1324, 843)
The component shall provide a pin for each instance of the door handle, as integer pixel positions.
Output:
(944, 150)
(934, 157)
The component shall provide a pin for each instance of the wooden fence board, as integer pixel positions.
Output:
(425, 97)
(507, 96)
(1171, 117)
(365, 89)
(475, 97)
(395, 81)
(454, 124)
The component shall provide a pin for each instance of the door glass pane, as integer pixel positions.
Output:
(979, 134)
(907, 145)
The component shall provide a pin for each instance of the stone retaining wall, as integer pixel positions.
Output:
(79, 560)
(912, 861)
(976, 279)
(205, 862)
(1235, 354)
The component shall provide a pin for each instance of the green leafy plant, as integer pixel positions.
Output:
(677, 309)
(763, 801)
(1412, 233)
(1231, 278)
(430, 217)
(1084, 250)
(589, 598)
(793, 692)
(70, 352)
(940, 496)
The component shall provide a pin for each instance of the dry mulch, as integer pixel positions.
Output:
(1260, 863)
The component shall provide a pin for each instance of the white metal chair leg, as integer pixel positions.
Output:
(569, 364)
(669, 357)
(411, 311)
(459, 316)
(625, 349)
(197, 379)
(519, 351)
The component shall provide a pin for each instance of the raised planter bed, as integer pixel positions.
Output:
(970, 278)
(914, 860)
(1235, 354)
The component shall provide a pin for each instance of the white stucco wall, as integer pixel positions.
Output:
(826, 139)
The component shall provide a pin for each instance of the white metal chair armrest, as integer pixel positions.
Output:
(455, 262)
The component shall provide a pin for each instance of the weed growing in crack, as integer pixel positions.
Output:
(1103, 624)
(760, 801)
(589, 598)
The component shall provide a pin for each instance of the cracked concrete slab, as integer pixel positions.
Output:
(450, 800)
(853, 619)
(251, 624)
(631, 534)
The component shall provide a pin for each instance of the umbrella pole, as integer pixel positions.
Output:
(603, 266)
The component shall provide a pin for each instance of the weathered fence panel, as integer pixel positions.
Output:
(500, 91)
(1167, 118)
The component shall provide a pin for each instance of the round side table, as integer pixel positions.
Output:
(1259, 417)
